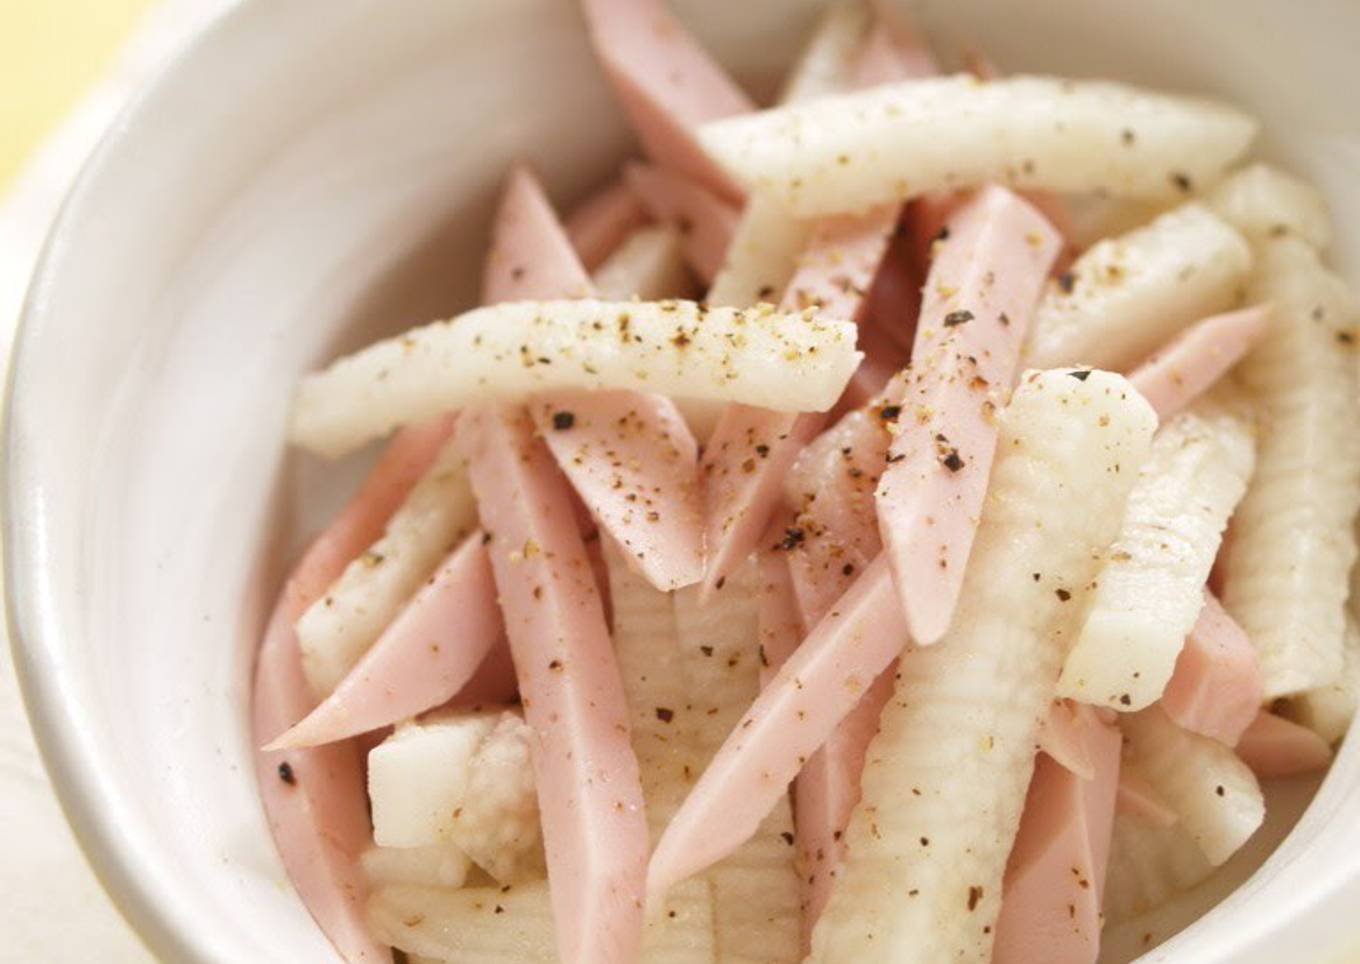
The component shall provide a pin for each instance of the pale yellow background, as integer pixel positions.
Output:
(52, 52)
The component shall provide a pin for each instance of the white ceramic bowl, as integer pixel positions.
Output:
(311, 174)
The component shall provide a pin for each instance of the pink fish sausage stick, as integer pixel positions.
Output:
(981, 291)
(590, 798)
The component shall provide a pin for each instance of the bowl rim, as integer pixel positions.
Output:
(55, 720)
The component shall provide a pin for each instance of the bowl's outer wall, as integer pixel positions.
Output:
(313, 174)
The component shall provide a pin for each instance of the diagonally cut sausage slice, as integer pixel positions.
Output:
(981, 291)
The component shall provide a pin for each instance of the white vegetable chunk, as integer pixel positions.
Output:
(1328, 710)
(1264, 202)
(762, 255)
(826, 62)
(663, 720)
(755, 888)
(419, 775)
(1150, 863)
(514, 925)
(1126, 296)
(1288, 564)
(946, 777)
(462, 779)
(436, 865)
(788, 361)
(648, 266)
(891, 143)
(1151, 587)
(338, 628)
(1214, 793)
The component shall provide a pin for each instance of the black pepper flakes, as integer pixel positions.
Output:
(890, 413)
(952, 461)
(1182, 181)
(1067, 281)
(286, 773)
(793, 538)
(763, 451)
(974, 896)
(956, 318)
(1081, 374)
(664, 715)
(1062, 594)
(787, 838)
(563, 420)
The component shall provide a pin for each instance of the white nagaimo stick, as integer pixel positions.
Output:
(628, 455)
(978, 301)
(1151, 585)
(755, 888)
(1328, 710)
(514, 925)
(314, 798)
(1217, 685)
(1287, 566)
(1213, 792)
(648, 266)
(1183, 369)
(763, 253)
(442, 865)
(1124, 297)
(465, 779)
(1275, 747)
(666, 82)
(1150, 862)
(705, 221)
(594, 827)
(791, 362)
(337, 629)
(853, 151)
(945, 779)
(1055, 876)
(1263, 202)
(600, 223)
(423, 658)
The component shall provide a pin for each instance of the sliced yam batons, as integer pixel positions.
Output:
(594, 822)
(976, 307)
(903, 140)
(762, 255)
(666, 83)
(945, 779)
(649, 265)
(1287, 567)
(1150, 863)
(337, 630)
(1151, 585)
(1124, 297)
(755, 888)
(1264, 202)
(514, 925)
(1214, 794)
(425, 656)
(1328, 710)
(704, 220)
(1216, 688)
(1055, 875)
(827, 61)
(1276, 747)
(675, 348)
(598, 225)
(1183, 369)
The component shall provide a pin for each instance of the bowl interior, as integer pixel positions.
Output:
(298, 184)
